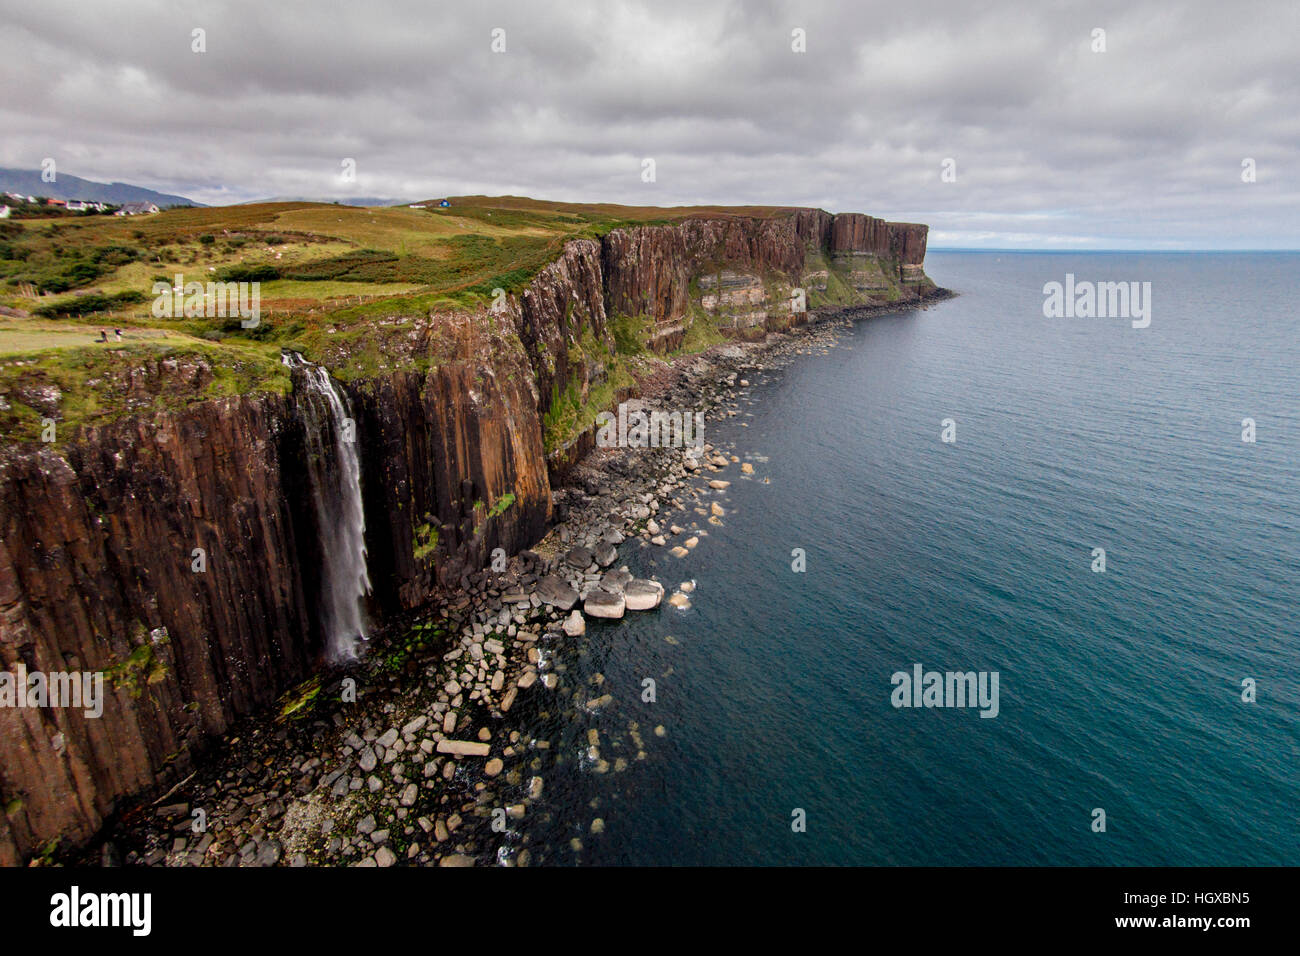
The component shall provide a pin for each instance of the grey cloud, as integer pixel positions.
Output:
(1054, 144)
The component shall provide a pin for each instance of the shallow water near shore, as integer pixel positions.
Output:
(1118, 690)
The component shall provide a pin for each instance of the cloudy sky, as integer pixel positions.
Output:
(1053, 145)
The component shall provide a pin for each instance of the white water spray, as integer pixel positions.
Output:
(335, 474)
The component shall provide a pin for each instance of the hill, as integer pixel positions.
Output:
(329, 201)
(29, 183)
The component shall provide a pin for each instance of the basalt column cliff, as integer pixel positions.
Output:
(177, 552)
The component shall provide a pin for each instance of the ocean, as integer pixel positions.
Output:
(1119, 690)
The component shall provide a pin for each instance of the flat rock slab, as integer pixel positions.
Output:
(463, 748)
(616, 581)
(641, 595)
(579, 558)
(604, 604)
(556, 592)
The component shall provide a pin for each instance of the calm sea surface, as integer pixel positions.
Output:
(1119, 690)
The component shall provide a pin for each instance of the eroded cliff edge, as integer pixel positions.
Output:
(459, 440)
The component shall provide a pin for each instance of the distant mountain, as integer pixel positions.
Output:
(29, 183)
(341, 200)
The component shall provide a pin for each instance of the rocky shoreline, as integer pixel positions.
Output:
(412, 756)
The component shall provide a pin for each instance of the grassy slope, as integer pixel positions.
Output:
(346, 273)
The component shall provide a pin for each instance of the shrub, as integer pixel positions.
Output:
(115, 255)
(85, 304)
(243, 273)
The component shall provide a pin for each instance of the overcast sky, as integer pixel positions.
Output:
(1054, 145)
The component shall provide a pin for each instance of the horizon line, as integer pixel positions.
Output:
(1143, 249)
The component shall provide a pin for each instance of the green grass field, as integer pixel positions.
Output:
(342, 284)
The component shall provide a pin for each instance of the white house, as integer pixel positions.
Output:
(4, 212)
(136, 209)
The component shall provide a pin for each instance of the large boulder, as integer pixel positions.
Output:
(616, 581)
(642, 595)
(574, 625)
(556, 591)
(606, 604)
(579, 559)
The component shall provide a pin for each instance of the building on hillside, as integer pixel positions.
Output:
(4, 212)
(56, 202)
(136, 209)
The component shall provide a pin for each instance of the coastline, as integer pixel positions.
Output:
(421, 766)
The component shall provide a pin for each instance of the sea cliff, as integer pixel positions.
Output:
(99, 534)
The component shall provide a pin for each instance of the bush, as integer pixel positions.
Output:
(82, 273)
(84, 305)
(53, 284)
(364, 265)
(116, 255)
(207, 240)
(242, 273)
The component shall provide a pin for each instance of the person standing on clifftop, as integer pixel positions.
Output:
(118, 333)
(103, 336)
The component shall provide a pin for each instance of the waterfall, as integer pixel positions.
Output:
(334, 470)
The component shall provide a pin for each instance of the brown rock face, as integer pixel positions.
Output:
(648, 270)
(564, 300)
(98, 538)
(437, 446)
(97, 553)
(854, 232)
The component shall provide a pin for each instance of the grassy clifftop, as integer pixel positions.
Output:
(342, 284)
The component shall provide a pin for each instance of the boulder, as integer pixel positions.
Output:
(575, 625)
(642, 595)
(463, 748)
(579, 558)
(616, 581)
(606, 604)
(555, 591)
